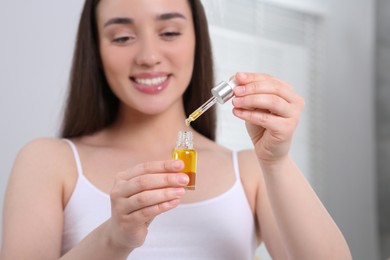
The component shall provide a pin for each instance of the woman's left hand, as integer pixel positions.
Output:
(271, 110)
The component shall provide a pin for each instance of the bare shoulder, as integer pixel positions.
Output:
(43, 151)
(34, 199)
(44, 144)
(46, 159)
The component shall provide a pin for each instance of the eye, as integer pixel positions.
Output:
(121, 40)
(170, 35)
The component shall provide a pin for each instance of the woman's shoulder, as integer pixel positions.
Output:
(44, 141)
(43, 171)
(44, 147)
(42, 156)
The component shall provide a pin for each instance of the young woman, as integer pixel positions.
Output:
(108, 189)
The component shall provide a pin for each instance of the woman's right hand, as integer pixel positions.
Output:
(140, 194)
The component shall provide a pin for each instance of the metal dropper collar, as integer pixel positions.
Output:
(224, 91)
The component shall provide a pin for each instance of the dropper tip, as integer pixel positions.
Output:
(188, 121)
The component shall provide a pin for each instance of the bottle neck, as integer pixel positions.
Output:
(184, 140)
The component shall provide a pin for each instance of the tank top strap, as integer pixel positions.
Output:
(235, 164)
(76, 156)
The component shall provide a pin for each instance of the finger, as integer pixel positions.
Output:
(145, 215)
(265, 84)
(267, 102)
(153, 197)
(243, 78)
(127, 188)
(160, 166)
(266, 87)
(167, 166)
(259, 117)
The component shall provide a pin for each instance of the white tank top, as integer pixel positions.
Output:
(218, 228)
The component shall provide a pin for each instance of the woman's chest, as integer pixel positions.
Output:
(216, 172)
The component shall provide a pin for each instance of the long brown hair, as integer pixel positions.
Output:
(91, 105)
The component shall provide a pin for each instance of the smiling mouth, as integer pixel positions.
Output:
(151, 85)
(150, 81)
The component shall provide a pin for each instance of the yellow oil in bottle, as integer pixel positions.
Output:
(184, 151)
(188, 156)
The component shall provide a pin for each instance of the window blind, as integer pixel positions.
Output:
(254, 35)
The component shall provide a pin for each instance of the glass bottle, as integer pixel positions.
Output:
(185, 151)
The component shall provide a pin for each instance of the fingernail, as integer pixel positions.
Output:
(238, 101)
(239, 90)
(170, 204)
(173, 203)
(242, 75)
(179, 191)
(177, 164)
(183, 179)
(237, 112)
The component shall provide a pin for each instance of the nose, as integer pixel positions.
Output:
(148, 53)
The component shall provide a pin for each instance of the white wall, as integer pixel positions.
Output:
(36, 44)
(349, 154)
(35, 52)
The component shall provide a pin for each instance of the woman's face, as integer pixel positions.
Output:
(147, 49)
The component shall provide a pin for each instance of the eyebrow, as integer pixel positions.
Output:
(161, 17)
(119, 20)
(168, 16)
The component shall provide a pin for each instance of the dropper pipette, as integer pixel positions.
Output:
(198, 112)
(221, 93)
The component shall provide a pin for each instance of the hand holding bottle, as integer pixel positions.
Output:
(271, 109)
(140, 194)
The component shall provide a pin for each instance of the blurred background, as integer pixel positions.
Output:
(335, 53)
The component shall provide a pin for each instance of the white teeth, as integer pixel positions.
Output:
(151, 81)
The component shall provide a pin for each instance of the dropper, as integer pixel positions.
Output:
(221, 93)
